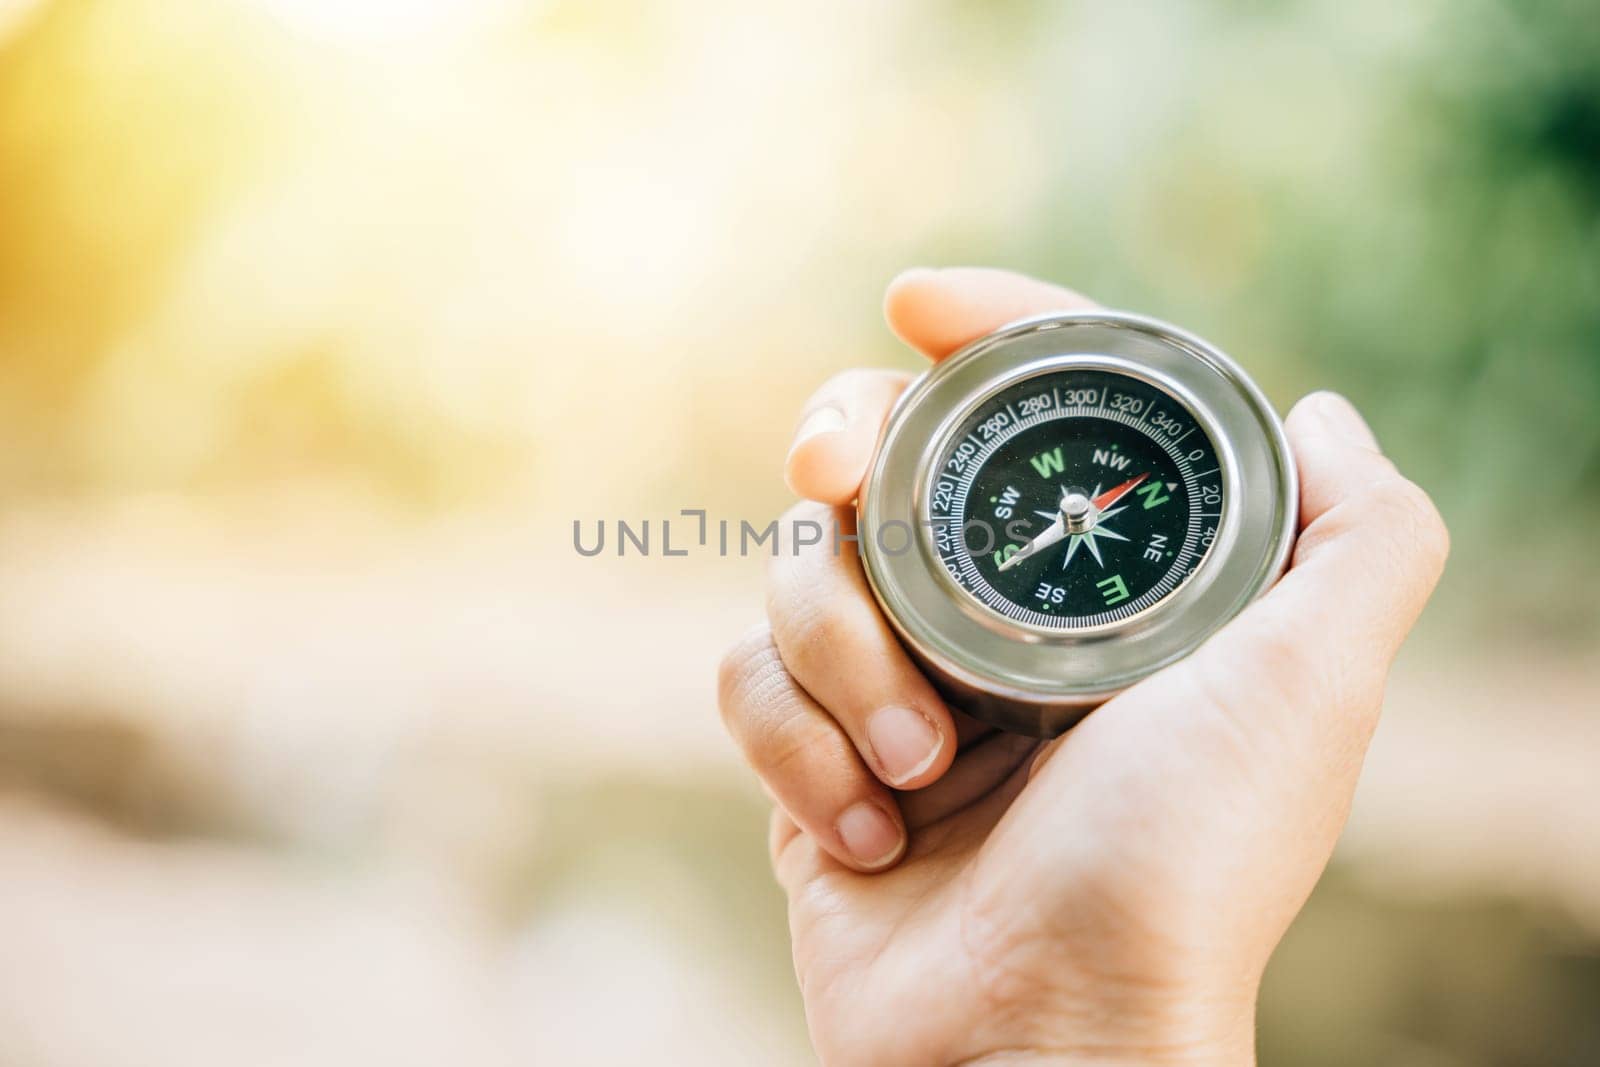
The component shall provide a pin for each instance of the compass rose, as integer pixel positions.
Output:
(1083, 521)
(1087, 538)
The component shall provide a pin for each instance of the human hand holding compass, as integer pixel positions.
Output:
(958, 893)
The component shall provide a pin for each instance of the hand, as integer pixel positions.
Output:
(1111, 896)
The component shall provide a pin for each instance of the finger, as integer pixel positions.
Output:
(1367, 533)
(794, 854)
(805, 760)
(836, 644)
(939, 311)
(796, 858)
(1336, 451)
(838, 433)
(975, 775)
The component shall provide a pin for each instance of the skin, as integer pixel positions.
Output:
(958, 895)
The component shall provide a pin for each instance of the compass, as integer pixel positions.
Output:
(1069, 504)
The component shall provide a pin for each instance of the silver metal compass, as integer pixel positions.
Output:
(1089, 497)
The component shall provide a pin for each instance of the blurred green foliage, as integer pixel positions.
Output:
(1408, 215)
(1367, 976)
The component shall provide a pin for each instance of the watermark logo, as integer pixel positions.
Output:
(694, 532)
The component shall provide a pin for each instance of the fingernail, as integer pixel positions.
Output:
(870, 835)
(821, 421)
(1343, 420)
(904, 741)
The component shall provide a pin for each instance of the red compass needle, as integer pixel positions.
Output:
(1116, 493)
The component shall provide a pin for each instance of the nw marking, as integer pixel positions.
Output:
(1110, 459)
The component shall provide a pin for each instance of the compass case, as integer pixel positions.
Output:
(1040, 680)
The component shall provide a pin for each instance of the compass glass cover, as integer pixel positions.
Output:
(1075, 498)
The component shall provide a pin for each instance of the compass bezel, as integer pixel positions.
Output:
(1040, 680)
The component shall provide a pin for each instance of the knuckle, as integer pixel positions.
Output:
(803, 536)
(845, 383)
(1406, 507)
(856, 382)
(766, 711)
(744, 673)
(819, 633)
(1430, 524)
(1413, 533)
(788, 739)
(804, 511)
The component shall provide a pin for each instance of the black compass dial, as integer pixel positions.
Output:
(1076, 498)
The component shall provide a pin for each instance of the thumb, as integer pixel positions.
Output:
(1302, 669)
(1311, 657)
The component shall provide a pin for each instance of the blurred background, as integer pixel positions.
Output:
(321, 322)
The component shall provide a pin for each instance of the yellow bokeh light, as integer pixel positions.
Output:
(381, 23)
